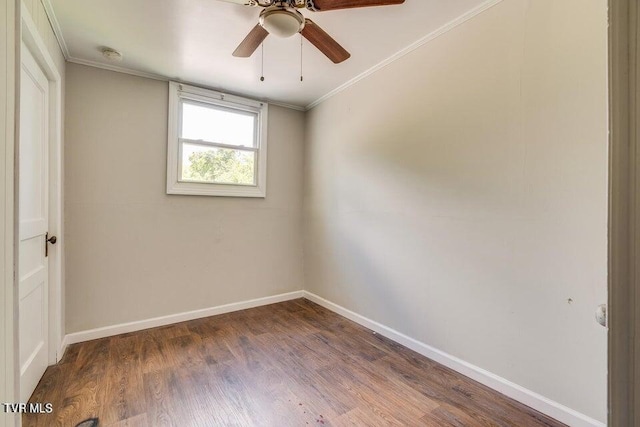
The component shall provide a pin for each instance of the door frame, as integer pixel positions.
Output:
(9, 51)
(32, 40)
(624, 214)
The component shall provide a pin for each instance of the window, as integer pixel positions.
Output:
(217, 143)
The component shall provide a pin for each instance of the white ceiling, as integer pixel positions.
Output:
(192, 41)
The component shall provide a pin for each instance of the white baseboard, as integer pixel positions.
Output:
(61, 349)
(139, 325)
(504, 386)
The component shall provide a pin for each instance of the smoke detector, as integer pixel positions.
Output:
(111, 54)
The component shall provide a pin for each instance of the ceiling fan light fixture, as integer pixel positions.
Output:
(282, 22)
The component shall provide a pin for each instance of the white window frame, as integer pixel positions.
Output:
(181, 91)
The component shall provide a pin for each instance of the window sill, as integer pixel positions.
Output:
(216, 190)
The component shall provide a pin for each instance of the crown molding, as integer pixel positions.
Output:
(146, 75)
(413, 46)
(57, 31)
(55, 26)
(117, 69)
(285, 105)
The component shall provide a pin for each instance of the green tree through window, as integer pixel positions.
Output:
(220, 165)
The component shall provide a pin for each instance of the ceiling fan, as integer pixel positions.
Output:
(282, 18)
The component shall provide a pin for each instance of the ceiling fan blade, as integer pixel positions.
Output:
(251, 42)
(322, 5)
(323, 41)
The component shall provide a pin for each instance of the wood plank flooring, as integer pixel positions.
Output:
(287, 364)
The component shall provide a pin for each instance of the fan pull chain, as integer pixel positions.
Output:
(262, 66)
(301, 75)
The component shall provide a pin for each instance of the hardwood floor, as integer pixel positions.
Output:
(287, 364)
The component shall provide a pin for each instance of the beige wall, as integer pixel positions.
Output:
(133, 252)
(459, 196)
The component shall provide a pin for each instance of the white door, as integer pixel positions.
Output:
(33, 266)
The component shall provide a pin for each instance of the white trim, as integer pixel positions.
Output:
(9, 95)
(116, 68)
(153, 76)
(139, 325)
(504, 386)
(55, 26)
(285, 105)
(426, 39)
(413, 46)
(200, 94)
(62, 348)
(33, 41)
(259, 109)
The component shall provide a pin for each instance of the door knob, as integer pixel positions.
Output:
(52, 240)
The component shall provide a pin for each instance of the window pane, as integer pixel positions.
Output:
(217, 125)
(217, 165)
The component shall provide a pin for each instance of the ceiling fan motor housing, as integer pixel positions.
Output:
(281, 22)
(281, 18)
